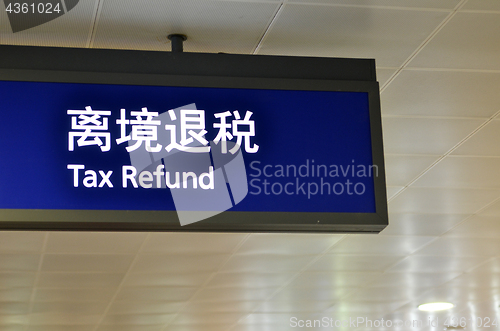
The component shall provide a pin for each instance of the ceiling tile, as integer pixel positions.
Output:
(481, 5)
(453, 247)
(401, 169)
(94, 242)
(492, 210)
(337, 262)
(261, 326)
(485, 142)
(19, 262)
(413, 279)
(421, 224)
(166, 279)
(460, 296)
(144, 307)
(73, 295)
(241, 306)
(294, 294)
(463, 172)
(249, 279)
(56, 317)
(86, 263)
(468, 41)
(15, 294)
(477, 226)
(178, 264)
(155, 293)
(335, 279)
(420, 263)
(70, 30)
(434, 136)
(267, 263)
(69, 308)
(281, 243)
(79, 280)
(192, 243)
(296, 306)
(484, 280)
(17, 320)
(195, 327)
(60, 328)
(491, 266)
(189, 318)
(237, 25)
(14, 308)
(380, 244)
(233, 294)
(21, 242)
(442, 200)
(447, 93)
(388, 35)
(269, 319)
(359, 308)
(121, 327)
(138, 319)
(384, 294)
(449, 4)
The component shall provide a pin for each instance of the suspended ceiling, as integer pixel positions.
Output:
(438, 64)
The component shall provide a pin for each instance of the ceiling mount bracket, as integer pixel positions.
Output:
(177, 41)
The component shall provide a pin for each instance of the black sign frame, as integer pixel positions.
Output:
(66, 65)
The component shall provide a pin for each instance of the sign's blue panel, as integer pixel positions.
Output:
(120, 147)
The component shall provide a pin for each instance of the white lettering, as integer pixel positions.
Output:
(158, 173)
(105, 178)
(75, 168)
(90, 179)
(210, 176)
(144, 177)
(130, 176)
(185, 176)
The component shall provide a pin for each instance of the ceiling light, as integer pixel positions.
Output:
(435, 306)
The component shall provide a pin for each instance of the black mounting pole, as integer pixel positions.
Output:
(177, 40)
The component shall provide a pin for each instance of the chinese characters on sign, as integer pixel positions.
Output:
(91, 128)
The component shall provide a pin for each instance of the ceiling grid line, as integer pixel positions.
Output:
(474, 214)
(269, 26)
(485, 71)
(94, 23)
(207, 281)
(442, 157)
(120, 285)
(424, 43)
(37, 278)
(289, 281)
(444, 117)
(346, 5)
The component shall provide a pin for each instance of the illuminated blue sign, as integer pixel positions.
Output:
(199, 151)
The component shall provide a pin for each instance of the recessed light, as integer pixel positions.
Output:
(435, 306)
